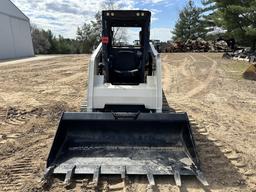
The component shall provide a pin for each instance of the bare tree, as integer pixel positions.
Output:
(119, 33)
(110, 5)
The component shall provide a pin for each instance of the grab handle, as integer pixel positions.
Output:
(119, 115)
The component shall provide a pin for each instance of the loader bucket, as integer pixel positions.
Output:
(107, 144)
(250, 73)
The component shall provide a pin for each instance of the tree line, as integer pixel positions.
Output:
(234, 19)
(87, 38)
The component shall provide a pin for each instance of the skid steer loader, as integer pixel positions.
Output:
(124, 129)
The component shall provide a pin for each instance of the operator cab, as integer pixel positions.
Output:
(125, 64)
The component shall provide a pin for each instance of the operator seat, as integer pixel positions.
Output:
(125, 67)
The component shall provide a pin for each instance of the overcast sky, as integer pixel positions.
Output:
(64, 16)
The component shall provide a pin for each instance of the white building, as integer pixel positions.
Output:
(15, 34)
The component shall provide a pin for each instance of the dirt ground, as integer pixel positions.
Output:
(221, 106)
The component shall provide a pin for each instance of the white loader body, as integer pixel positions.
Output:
(100, 94)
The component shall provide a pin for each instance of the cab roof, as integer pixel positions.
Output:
(126, 18)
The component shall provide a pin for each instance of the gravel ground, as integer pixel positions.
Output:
(221, 105)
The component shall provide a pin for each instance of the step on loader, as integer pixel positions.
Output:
(124, 128)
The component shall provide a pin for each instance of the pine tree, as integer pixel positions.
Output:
(190, 24)
(53, 43)
(238, 17)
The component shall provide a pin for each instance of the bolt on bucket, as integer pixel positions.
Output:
(137, 144)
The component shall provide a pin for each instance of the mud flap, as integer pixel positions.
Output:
(141, 144)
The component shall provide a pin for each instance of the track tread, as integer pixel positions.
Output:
(17, 174)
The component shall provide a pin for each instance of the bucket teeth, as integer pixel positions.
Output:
(177, 177)
(150, 177)
(123, 173)
(69, 176)
(199, 175)
(48, 174)
(201, 178)
(96, 175)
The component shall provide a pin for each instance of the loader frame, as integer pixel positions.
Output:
(123, 128)
(102, 94)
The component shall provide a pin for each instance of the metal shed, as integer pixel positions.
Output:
(15, 33)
